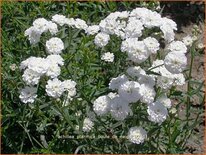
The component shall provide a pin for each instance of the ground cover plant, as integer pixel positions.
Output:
(101, 77)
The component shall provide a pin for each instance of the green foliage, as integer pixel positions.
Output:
(46, 126)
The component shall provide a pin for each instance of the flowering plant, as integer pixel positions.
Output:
(114, 79)
(143, 86)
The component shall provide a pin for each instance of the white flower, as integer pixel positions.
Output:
(111, 24)
(76, 128)
(151, 19)
(123, 14)
(158, 67)
(13, 67)
(78, 113)
(112, 95)
(167, 79)
(101, 39)
(139, 13)
(53, 70)
(119, 30)
(55, 58)
(200, 46)
(119, 108)
(91, 30)
(80, 24)
(101, 105)
(108, 57)
(54, 45)
(128, 44)
(147, 92)
(168, 26)
(107, 26)
(177, 46)
(151, 44)
(39, 65)
(164, 82)
(146, 79)
(31, 77)
(87, 125)
(188, 40)
(70, 22)
(135, 71)
(52, 28)
(168, 32)
(116, 82)
(24, 64)
(173, 111)
(134, 29)
(157, 112)
(179, 79)
(59, 19)
(34, 35)
(54, 88)
(41, 24)
(28, 94)
(194, 38)
(165, 101)
(137, 135)
(169, 22)
(138, 52)
(70, 86)
(130, 91)
(175, 62)
(36, 64)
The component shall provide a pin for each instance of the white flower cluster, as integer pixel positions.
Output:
(55, 88)
(112, 103)
(128, 25)
(63, 20)
(166, 79)
(139, 85)
(176, 61)
(40, 26)
(37, 67)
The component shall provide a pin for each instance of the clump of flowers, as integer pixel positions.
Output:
(139, 31)
(140, 84)
(36, 68)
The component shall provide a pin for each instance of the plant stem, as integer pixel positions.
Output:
(188, 86)
(188, 135)
(63, 114)
(188, 97)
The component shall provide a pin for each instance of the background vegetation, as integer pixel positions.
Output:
(38, 128)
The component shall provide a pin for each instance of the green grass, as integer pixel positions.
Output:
(23, 125)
